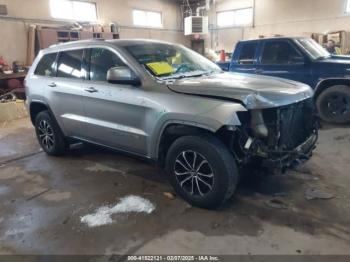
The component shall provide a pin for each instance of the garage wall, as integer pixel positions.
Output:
(285, 17)
(299, 17)
(21, 13)
(225, 38)
(13, 41)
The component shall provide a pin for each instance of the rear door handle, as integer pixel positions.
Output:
(52, 85)
(91, 90)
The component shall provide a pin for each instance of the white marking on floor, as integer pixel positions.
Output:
(129, 204)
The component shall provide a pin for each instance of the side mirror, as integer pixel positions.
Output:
(122, 75)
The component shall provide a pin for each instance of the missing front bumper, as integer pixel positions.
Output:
(282, 160)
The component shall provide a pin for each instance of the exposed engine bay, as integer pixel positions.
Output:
(276, 138)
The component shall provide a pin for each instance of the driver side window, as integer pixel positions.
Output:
(280, 53)
(101, 60)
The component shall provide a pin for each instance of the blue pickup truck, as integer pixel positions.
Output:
(303, 60)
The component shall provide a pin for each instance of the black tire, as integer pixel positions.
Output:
(220, 162)
(333, 104)
(50, 135)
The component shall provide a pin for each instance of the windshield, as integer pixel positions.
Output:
(166, 61)
(315, 50)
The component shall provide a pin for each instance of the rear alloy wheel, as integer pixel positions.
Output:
(333, 104)
(202, 170)
(49, 134)
(46, 136)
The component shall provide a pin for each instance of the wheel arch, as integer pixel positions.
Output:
(175, 130)
(326, 83)
(209, 122)
(172, 131)
(35, 107)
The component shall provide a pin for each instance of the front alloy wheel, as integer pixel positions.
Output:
(333, 104)
(338, 105)
(202, 170)
(194, 173)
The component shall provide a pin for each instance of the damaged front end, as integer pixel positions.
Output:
(276, 138)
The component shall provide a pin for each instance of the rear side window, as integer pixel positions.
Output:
(101, 61)
(247, 56)
(280, 53)
(70, 64)
(46, 66)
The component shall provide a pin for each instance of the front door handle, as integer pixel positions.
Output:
(52, 84)
(91, 90)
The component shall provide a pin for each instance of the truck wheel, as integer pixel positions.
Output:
(50, 135)
(201, 170)
(333, 104)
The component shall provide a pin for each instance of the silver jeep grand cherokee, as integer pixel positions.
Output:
(167, 103)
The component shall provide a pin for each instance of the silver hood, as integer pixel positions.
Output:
(255, 92)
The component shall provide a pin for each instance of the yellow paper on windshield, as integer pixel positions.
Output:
(160, 68)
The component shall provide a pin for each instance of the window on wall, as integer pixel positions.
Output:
(348, 6)
(147, 18)
(239, 17)
(73, 10)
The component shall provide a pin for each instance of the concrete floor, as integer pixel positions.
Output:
(42, 199)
